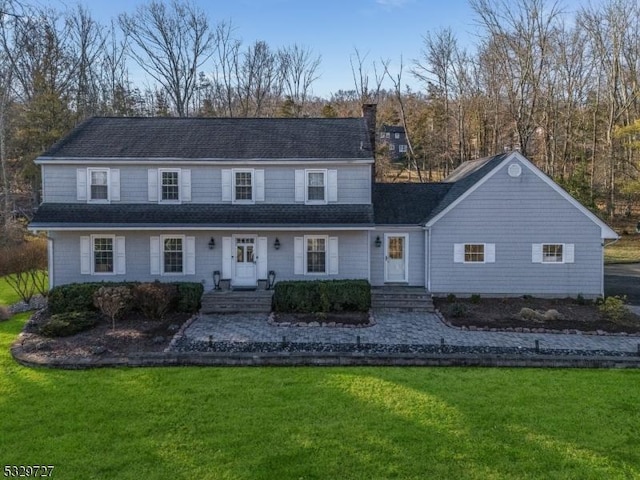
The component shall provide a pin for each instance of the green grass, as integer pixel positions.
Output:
(625, 250)
(7, 295)
(317, 423)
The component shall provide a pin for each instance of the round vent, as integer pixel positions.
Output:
(514, 170)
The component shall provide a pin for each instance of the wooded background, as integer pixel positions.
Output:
(561, 88)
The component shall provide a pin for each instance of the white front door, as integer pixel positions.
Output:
(245, 262)
(395, 258)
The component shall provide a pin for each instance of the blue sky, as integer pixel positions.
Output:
(386, 29)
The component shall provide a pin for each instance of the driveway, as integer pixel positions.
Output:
(623, 279)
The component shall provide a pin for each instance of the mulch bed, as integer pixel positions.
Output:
(134, 334)
(502, 314)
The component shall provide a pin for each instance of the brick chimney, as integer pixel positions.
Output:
(369, 115)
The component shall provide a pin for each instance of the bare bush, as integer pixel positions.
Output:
(113, 301)
(24, 268)
(154, 300)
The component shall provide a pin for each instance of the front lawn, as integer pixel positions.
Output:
(625, 250)
(317, 423)
(7, 295)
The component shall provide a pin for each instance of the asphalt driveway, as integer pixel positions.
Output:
(623, 279)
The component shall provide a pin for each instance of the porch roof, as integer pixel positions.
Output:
(52, 215)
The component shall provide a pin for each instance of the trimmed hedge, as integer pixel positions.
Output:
(78, 297)
(322, 296)
(70, 323)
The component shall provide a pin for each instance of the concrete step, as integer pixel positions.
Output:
(230, 301)
(406, 299)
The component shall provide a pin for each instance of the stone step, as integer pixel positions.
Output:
(237, 301)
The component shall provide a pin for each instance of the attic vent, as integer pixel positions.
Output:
(515, 170)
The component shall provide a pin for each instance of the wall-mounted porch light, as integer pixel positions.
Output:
(276, 244)
(378, 242)
(212, 244)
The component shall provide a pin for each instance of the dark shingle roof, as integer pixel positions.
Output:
(216, 138)
(96, 215)
(406, 203)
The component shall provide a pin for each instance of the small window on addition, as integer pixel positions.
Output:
(552, 253)
(474, 253)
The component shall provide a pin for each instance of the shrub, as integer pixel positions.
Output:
(457, 310)
(113, 301)
(451, 298)
(155, 300)
(613, 308)
(70, 323)
(321, 296)
(475, 298)
(24, 267)
(189, 296)
(75, 297)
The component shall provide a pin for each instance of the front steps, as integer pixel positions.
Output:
(401, 298)
(391, 297)
(237, 301)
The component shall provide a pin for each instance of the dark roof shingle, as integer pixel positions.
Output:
(216, 138)
(406, 203)
(127, 215)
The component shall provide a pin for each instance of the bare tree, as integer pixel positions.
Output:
(520, 32)
(299, 69)
(88, 43)
(171, 42)
(360, 73)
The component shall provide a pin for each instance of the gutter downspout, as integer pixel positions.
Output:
(50, 261)
(428, 257)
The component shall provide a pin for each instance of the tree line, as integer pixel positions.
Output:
(561, 87)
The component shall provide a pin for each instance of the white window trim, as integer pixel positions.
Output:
(184, 256)
(564, 253)
(326, 255)
(325, 172)
(93, 254)
(99, 200)
(179, 172)
(253, 185)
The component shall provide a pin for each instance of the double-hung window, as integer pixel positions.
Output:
(169, 185)
(103, 254)
(557, 253)
(552, 253)
(172, 255)
(316, 186)
(474, 253)
(243, 185)
(98, 184)
(316, 253)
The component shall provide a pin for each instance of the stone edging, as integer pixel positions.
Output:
(532, 330)
(165, 359)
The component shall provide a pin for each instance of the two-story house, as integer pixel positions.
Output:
(175, 199)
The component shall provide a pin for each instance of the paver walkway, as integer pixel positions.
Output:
(394, 328)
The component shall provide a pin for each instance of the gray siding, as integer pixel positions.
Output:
(352, 251)
(354, 183)
(513, 213)
(416, 253)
